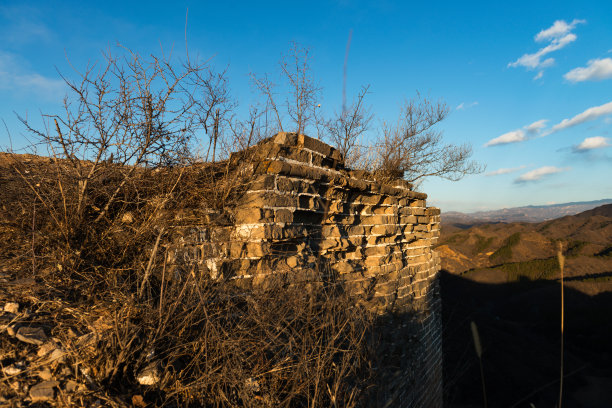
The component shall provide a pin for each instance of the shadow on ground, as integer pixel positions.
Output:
(519, 325)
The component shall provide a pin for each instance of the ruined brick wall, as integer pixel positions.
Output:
(302, 210)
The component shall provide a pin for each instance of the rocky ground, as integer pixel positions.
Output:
(41, 352)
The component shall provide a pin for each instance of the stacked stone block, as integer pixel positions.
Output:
(303, 214)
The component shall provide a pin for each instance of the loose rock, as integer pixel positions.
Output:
(71, 386)
(32, 335)
(46, 349)
(13, 369)
(11, 307)
(43, 391)
(57, 355)
(11, 330)
(150, 375)
(45, 374)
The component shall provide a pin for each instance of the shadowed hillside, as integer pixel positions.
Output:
(519, 329)
(505, 277)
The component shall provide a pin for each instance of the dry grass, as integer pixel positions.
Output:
(211, 343)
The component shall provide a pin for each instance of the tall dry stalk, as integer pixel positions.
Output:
(561, 260)
(478, 348)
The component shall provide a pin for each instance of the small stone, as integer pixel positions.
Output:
(138, 401)
(11, 330)
(43, 391)
(66, 371)
(127, 218)
(45, 374)
(150, 375)
(32, 335)
(292, 261)
(46, 349)
(11, 307)
(57, 355)
(71, 386)
(14, 369)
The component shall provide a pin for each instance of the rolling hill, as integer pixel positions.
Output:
(531, 213)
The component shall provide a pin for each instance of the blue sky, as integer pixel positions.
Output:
(529, 84)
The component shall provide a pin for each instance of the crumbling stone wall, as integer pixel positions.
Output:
(303, 211)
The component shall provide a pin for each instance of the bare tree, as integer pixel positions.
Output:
(304, 91)
(348, 127)
(303, 94)
(266, 87)
(128, 113)
(413, 148)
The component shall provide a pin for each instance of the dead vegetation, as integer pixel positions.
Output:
(85, 237)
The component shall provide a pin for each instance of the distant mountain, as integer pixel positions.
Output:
(489, 249)
(530, 213)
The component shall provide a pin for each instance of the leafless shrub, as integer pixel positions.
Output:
(301, 104)
(304, 91)
(220, 345)
(413, 148)
(96, 219)
(346, 131)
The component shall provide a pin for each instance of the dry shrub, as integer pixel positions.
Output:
(215, 343)
(93, 224)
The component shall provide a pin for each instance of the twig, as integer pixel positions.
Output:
(561, 260)
(150, 264)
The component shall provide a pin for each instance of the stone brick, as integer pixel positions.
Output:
(264, 182)
(301, 213)
(283, 216)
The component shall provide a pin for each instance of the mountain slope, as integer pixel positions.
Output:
(531, 213)
(586, 237)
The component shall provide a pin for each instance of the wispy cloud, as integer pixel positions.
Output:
(519, 135)
(558, 29)
(588, 115)
(592, 143)
(23, 24)
(536, 126)
(505, 171)
(13, 76)
(539, 173)
(596, 70)
(463, 105)
(558, 35)
(511, 137)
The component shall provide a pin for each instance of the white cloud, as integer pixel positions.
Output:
(537, 126)
(596, 70)
(510, 137)
(519, 135)
(558, 29)
(23, 24)
(14, 77)
(538, 173)
(590, 143)
(588, 115)
(532, 61)
(559, 35)
(464, 105)
(505, 171)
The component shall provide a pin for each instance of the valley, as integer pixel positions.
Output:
(505, 277)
